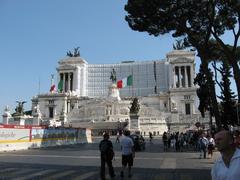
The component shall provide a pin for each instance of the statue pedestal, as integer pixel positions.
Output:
(36, 120)
(6, 115)
(36, 115)
(63, 118)
(19, 120)
(22, 122)
(5, 119)
(134, 124)
(113, 92)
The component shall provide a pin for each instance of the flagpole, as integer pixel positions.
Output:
(52, 79)
(39, 85)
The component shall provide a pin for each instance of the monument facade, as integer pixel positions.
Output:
(89, 95)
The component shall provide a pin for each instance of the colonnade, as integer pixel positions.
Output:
(182, 76)
(67, 79)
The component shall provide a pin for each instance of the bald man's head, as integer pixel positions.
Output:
(224, 140)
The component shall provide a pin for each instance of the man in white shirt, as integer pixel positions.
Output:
(203, 143)
(127, 147)
(228, 166)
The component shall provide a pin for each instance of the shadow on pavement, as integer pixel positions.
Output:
(45, 171)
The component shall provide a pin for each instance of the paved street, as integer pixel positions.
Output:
(82, 162)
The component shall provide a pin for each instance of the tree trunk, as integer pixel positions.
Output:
(236, 74)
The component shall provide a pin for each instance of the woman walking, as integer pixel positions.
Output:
(211, 146)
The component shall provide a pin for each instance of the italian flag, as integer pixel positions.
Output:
(60, 86)
(53, 88)
(125, 82)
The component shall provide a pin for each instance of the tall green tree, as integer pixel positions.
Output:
(228, 109)
(196, 22)
(228, 102)
(202, 91)
(226, 17)
(205, 56)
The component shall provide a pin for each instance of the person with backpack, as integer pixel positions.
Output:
(107, 154)
(203, 143)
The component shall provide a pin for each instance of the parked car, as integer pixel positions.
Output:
(139, 142)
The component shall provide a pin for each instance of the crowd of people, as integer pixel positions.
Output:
(227, 142)
(189, 141)
(227, 167)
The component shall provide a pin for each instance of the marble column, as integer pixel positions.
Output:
(185, 77)
(64, 82)
(179, 76)
(174, 77)
(188, 77)
(191, 75)
(177, 84)
(59, 79)
(69, 79)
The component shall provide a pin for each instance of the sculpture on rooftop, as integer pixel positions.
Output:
(113, 76)
(19, 109)
(76, 53)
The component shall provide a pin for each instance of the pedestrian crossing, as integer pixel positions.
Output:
(85, 173)
(35, 174)
(18, 173)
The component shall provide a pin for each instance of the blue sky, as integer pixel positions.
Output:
(36, 34)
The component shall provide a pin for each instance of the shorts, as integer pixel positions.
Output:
(210, 147)
(127, 160)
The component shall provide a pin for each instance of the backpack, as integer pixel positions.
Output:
(165, 138)
(106, 148)
(203, 143)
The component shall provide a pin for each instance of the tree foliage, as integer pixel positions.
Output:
(228, 103)
(202, 91)
(197, 23)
